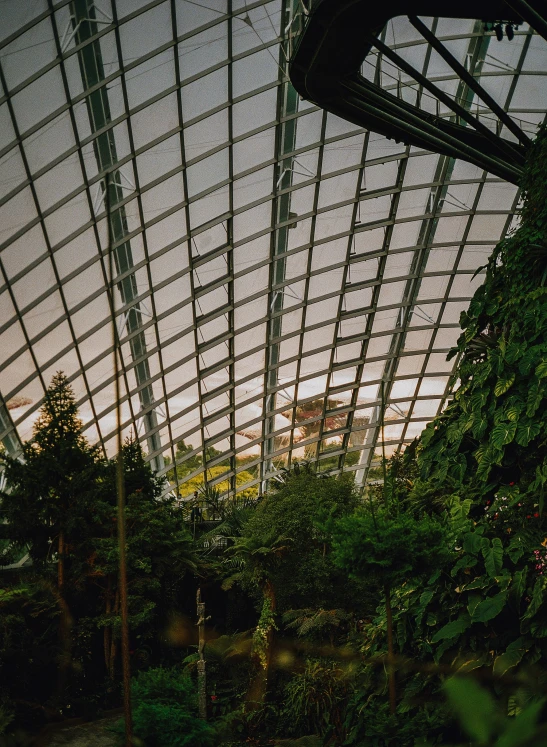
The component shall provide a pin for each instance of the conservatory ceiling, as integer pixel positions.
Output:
(273, 263)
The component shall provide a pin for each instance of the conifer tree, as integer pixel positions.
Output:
(47, 487)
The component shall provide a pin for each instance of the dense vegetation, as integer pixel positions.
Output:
(413, 616)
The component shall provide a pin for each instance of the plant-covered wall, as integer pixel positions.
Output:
(493, 435)
(481, 469)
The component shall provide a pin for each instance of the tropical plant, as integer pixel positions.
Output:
(314, 699)
(165, 711)
(317, 622)
(485, 722)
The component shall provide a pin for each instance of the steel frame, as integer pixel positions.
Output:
(293, 355)
(338, 36)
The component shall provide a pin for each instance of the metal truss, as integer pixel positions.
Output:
(274, 263)
(339, 35)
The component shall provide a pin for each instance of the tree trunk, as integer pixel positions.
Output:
(64, 618)
(61, 563)
(269, 593)
(107, 630)
(259, 686)
(113, 642)
(202, 675)
(390, 658)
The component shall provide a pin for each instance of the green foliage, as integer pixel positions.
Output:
(373, 543)
(29, 613)
(296, 555)
(266, 623)
(6, 717)
(57, 477)
(495, 428)
(483, 720)
(316, 622)
(65, 488)
(369, 722)
(314, 699)
(164, 711)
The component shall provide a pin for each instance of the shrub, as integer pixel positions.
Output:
(164, 711)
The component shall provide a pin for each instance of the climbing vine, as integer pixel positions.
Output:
(265, 625)
(493, 434)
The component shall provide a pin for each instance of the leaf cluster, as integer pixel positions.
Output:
(165, 710)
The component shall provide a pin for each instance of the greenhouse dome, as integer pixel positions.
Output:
(273, 383)
(274, 262)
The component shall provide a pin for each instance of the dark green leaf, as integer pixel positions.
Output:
(526, 433)
(493, 557)
(452, 629)
(489, 607)
(537, 599)
(519, 584)
(535, 396)
(503, 434)
(472, 542)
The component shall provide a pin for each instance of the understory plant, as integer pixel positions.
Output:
(165, 711)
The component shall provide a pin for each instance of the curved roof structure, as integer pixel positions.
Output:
(273, 263)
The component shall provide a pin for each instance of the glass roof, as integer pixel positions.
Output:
(273, 263)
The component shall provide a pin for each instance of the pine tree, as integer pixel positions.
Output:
(56, 474)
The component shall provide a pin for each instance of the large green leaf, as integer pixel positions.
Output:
(537, 599)
(489, 607)
(473, 602)
(516, 549)
(488, 458)
(514, 351)
(452, 629)
(474, 662)
(479, 399)
(541, 370)
(526, 433)
(513, 412)
(493, 557)
(519, 584)
(535, 396)
(503, 434)
(528, 360)
(512, 656)
(473, 706)
(503, 384)
(472, 542)
(480, 582)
